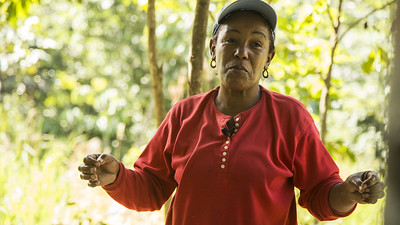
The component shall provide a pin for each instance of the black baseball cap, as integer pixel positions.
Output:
(259, 6)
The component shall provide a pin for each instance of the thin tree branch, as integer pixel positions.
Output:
(325, 95)
(364, 17)
(338, 18)
(328, 9)
(211, 15)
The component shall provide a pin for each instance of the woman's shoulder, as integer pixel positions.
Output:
(284, 101)
(195, 102)
(287, 108)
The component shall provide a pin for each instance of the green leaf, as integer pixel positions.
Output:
(383, 54)
(368, 66)
(11, 14)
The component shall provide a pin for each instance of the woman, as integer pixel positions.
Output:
(235, 154)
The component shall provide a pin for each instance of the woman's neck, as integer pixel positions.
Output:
(231, 102)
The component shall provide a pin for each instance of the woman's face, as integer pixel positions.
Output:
(241, 51)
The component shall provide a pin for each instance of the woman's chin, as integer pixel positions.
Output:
(234, 85)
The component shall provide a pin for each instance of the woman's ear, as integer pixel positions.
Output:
(212, 48)
(270, 57)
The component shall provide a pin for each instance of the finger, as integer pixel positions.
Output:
(104, 158)
(370, 178)
(91, 160)
(375, 195)
(90, 177)
(370, 200)
(358, 197)
(357, 183)
(378, 187)
(86, 169)
(94, 183)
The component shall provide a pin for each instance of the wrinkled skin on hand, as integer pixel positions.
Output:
(99, 169)
(365, 187)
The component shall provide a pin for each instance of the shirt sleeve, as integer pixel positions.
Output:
(151, 182)
(315, 173)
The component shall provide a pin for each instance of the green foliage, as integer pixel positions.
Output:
(368, 66)
(11, 10)
(72, 72)
(303, 55)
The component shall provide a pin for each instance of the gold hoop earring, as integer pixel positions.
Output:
(265, 72)
(213, 63)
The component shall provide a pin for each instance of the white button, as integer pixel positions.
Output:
(227, 142)
(222, 166)
(236, 124)
(223, 160)
(235, 130)
(225, 147)
(237, 119)
(224, 153)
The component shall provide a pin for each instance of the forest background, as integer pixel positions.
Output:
(75, 79)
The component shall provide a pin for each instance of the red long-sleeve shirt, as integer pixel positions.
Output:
(248, 178)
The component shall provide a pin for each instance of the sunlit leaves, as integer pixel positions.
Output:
(367, 66)
(66, 81)
(99, 83)
(383, 55)
(10, 10)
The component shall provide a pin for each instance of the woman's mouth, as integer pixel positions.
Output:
(238, 68)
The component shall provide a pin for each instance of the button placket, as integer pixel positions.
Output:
(237, 125)
(226, 145)
(225, 153)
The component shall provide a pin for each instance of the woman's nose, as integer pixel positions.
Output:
(241, 52)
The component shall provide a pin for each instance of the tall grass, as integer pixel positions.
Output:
(39, 180)
(32, 165)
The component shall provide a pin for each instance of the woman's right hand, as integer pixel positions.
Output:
(99, 169)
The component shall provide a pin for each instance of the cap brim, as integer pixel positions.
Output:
(259, 6)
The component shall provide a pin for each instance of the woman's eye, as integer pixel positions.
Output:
(230, 40)
(257, 44)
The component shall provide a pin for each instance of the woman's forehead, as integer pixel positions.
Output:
(245, 17)
(245, 22)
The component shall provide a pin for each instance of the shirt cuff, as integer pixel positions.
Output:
(343, 214)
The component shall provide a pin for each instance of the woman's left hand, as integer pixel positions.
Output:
(365, 187)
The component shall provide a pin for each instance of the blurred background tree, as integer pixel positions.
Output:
(392, 206)
(75, 79)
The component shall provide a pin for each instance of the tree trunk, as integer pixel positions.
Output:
(155, 71)
(196, 58)
(392, 207)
